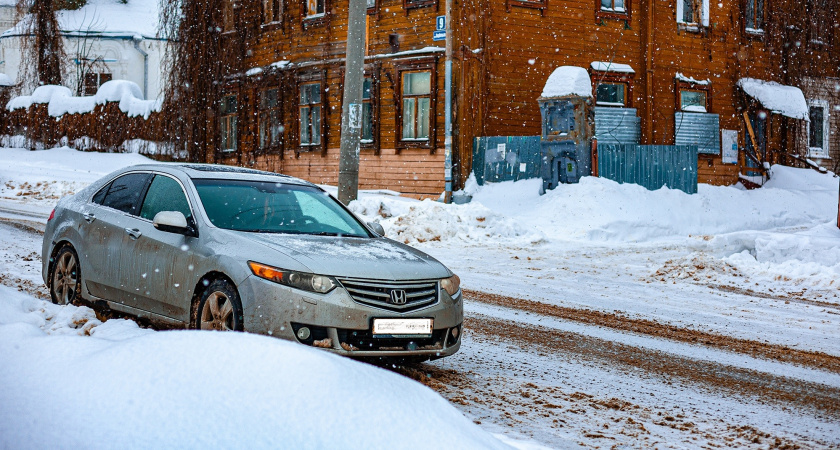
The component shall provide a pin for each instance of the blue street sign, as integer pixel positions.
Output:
(439, 35)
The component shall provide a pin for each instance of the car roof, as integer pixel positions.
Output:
(222, 172)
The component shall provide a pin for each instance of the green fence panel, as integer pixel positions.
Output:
(651, 166)
(506, 158)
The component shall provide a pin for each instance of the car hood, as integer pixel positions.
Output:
(378, 258)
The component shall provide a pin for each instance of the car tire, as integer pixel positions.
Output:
(218, 308)
(65, 277)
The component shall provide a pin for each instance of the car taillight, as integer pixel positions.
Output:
(52, 214)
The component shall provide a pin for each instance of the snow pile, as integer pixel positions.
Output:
(785, 100)
(194, 389)
(568, 80)
(602, 66)
(61, 100)
(427, 221)
(680, 77)
(41, 177)
(130, 97)
(6, 80)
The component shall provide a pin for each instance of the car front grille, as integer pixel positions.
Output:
(400, 296)
(363, 340)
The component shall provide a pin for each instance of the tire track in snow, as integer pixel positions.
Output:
(755, 349)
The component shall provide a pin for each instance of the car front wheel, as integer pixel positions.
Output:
(219, 308)
(65, 277)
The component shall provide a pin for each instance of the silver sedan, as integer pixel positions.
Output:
(222, 248)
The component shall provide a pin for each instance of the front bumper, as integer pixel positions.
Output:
(341, 325)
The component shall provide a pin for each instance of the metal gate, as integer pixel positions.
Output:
(651, 166)
(506, 158)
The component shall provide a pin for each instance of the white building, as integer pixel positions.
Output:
(103, 40)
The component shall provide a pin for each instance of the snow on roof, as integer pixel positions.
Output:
(104, 18)
(568, 80)
(602, 66)
(692, 80)
(6, 80)
(778, 98)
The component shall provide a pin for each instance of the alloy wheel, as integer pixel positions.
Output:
(217, 313)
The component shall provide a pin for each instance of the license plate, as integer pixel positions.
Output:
(402, 327)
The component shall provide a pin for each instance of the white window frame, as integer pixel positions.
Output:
(820, 152)
(704, 14)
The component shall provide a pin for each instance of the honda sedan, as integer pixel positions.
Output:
(229, 249)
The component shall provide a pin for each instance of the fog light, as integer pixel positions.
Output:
(455, 333)
(303, 333)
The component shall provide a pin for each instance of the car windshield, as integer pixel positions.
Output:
(270, 207)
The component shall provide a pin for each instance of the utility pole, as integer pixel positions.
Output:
(351, 109)
(447, 196)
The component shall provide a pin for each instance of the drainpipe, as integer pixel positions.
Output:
(649, 73)
(137, 41)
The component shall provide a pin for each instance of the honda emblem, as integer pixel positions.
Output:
(398, 297)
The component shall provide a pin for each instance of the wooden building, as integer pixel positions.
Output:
(658, 59)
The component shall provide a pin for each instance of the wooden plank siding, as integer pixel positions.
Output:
(503, 54)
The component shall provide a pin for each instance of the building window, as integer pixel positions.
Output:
(611, 94)
(754, 16)
(315, 8)
(310, 114)
(693, 13)
(612, 9)
(227, 16)
(93, 80)
(270, 125)
(271, 11)
(416, 105)
(409, 4)
(818, 129)
(692, 100)
(367, 112)
(227, 123)
(821, 22)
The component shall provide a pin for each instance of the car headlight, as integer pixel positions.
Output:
(451, 285)
(300, 280)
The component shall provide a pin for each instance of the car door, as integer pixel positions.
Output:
(158, 265)
(104, 223)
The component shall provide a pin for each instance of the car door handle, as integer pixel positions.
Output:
(89, 218)
(133, 232)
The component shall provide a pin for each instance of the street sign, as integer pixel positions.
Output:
(440, 29)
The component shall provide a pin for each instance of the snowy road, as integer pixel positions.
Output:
(572, 377)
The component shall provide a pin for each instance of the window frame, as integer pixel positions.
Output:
(823, 152)
(601, 13)
(752, 31)
(695, 25)
(541, 5)
(304, 79)
(416, 4)
(429, 65)
(261, 112)
(603, 77)
(224, 125)
(313, 20)
(98, 81)
(820, 32)
(681, 85)
(372, 73)
(138, 202)
(275, 18)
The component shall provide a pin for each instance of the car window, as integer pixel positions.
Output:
(99, 196)
(269, 207)
(165, 194)
(125, 192)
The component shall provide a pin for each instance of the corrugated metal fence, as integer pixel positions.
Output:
(651, 166)
(617, 125)
(700, 129)
(506, 158)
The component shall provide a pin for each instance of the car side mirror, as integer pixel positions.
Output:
(173, 222)
(377, 228)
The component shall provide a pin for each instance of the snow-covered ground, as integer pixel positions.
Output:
(751, 269)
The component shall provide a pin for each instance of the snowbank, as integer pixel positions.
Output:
(124, 387)
(605, 66)
(785, 100)
(568, 80)
(6, 80)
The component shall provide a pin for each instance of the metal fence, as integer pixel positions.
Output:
(506, 158)
(651, 166)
